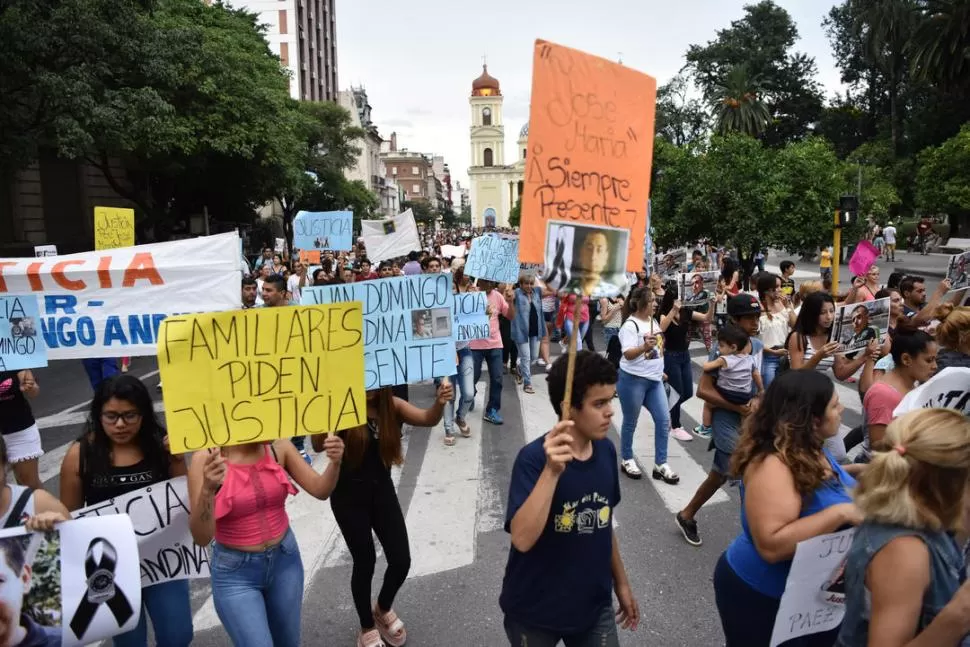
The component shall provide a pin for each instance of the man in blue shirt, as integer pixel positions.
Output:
(564, 563)
(744, 311)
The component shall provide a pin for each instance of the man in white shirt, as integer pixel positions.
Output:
(889, 234)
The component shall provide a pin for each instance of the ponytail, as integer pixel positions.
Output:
(920, 481)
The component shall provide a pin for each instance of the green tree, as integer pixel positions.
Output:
(808, 180)
(942, 182)
(940, 46)
(327, 146)
(515, 215)
(738, 103)
(466, 215)
(421, 209)
(681, 119)
(764, 41)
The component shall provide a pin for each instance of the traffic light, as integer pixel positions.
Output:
(848, 210)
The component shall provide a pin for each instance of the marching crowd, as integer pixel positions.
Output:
(772, 419)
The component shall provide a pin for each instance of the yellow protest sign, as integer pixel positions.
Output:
(257, 375)
(113, 227)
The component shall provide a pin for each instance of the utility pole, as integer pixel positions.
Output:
(836, 252)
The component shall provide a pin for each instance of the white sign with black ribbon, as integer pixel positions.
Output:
(100, 581)
(80, 582)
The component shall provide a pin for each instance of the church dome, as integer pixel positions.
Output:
(485, 85)
(525, 131)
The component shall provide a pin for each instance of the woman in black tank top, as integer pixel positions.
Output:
(125, 448)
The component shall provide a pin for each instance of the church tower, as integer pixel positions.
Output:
(493, 184)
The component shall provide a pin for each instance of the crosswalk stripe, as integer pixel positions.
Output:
(441, 518)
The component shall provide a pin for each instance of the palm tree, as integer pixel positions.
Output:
(738, 105)
(940, 47)
(885, 27)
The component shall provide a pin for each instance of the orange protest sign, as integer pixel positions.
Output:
(590, 149)
(310, 256)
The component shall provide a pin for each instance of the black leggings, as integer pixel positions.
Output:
(358, 507)
(510, 351)
(748, 616)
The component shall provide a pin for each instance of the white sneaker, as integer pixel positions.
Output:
(666, 474)
(541, 362)
(631, 469)
(681, 434)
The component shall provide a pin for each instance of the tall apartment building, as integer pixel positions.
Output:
(303, 33)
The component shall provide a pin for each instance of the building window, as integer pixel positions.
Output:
(488, 157)
(393, 170)
(487, 118)
(523, 153)
(285, 53)
(283, 21)
(415, 170)
(416, 189)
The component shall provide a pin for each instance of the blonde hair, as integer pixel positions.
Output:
(920, 482)
(954, 329)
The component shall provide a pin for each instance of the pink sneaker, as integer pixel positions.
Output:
(681, 434)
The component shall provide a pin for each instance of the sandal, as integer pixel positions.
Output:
(390, 627)
(370, 638)
(449, 441)
(528, 388)
(463, 428)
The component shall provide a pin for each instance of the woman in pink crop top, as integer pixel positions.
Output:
(238, 499)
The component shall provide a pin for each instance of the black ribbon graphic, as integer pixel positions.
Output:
(101, 589)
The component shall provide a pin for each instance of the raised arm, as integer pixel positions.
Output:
(418, 417)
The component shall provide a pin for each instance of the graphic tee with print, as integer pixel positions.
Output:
(563, 583)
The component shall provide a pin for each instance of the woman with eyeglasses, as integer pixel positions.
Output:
(124, 448)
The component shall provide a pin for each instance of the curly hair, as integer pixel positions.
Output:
(784, 425)
(592, 369)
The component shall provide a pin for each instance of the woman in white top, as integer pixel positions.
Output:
(777, 319)
(640, 382)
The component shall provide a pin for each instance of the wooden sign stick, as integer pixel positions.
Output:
(571, 360)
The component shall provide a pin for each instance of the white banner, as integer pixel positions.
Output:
(160, 516)
(453, 251)
(390, 238)
(948, 389)
(814, 598)
(110, 303)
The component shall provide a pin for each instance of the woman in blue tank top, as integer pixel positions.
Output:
(792, 490)
(905, 577)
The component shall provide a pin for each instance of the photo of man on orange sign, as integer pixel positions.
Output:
(589, 152)
(589, 260)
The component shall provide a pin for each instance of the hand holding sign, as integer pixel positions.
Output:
(445, 393)
(333, 446)
(214, 471)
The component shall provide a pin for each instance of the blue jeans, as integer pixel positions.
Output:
(170, 608)
(583, 327)
(466, 382)
(681, 380)
(636, 392)
(449, 414)
(259, 596)
(99, 370)
(528, 353)
(601, 634)
(493, 356)
(769, 368)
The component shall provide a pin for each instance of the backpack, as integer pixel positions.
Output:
(614, 351)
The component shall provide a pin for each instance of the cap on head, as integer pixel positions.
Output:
(742, 305)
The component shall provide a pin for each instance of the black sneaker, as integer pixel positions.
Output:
(688, 527)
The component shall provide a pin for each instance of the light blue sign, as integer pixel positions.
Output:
(21, 344)
(471, 322)
(408, 326)
(325, 230)
(494, 258)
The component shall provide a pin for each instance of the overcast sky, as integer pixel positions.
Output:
(418, 59)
